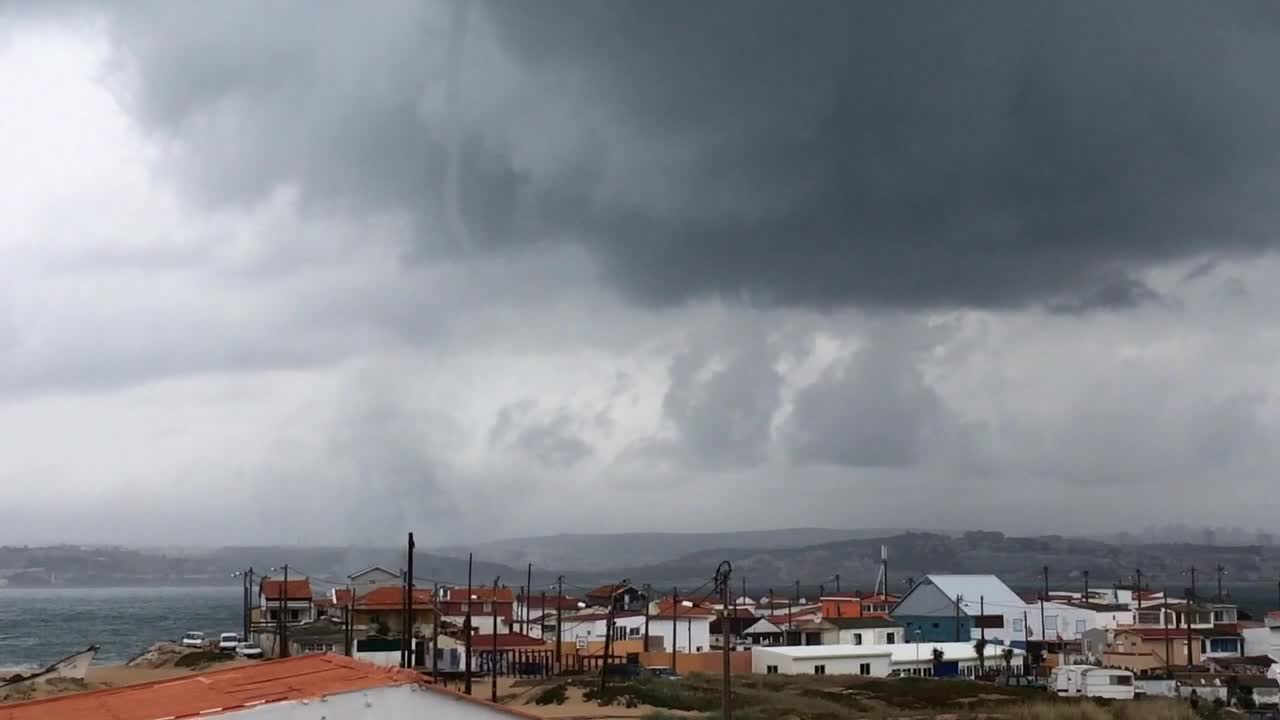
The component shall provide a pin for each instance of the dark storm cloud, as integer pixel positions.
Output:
(815, 153)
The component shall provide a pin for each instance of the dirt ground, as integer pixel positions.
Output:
(99, 677)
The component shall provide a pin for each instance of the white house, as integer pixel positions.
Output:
(863, 631)
(372, 578)
(291, 600)
(1069, 621)
(690, 624)
(592, 625)
(977, 600)
(1264, 640)
(301, 688)
(878, 660)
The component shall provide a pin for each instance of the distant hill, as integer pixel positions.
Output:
(585, 552)
(1017, 560)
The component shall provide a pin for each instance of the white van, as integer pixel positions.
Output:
(1090, 681)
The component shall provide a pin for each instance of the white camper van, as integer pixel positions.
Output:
(1090, 681)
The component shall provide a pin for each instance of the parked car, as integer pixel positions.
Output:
(193, 640)
(227, 642)
(664, 673)
(249, 650)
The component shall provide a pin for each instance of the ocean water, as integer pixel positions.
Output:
(39, 626)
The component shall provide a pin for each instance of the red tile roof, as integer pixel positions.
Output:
(221, 691)
(506, 641)
(392, 598)
(342, 597)
(297, 590)
(553, 603)
(665, 610)
(482, 594)
(607, 591)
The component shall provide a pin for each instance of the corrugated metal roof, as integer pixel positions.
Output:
(990, 589)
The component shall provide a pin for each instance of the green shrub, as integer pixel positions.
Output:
(555, 695)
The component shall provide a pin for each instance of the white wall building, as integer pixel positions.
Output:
(876, 660)
(692, 632)
(592, 625)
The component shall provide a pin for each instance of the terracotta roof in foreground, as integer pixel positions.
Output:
(222, 691)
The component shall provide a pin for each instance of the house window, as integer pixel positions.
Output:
(1050, 625)
(699, 649)
(857, 638)
(1149, 617)
(770, 669)
(488, 607)
(1017, 625)
(819, 669)
(935, 625)
(1080, 626)
(891, 638)
(1222, 645)
(1121, 680)
(864, 669)
(293, 616)
(634, 632)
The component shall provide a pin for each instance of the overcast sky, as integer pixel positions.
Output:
(327, 272)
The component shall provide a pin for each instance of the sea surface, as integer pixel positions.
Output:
(39, 626)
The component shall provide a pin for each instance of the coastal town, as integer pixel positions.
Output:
(1111, 642)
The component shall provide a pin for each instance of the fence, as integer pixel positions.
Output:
(516, 663)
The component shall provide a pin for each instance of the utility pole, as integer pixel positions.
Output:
(837, 583)
(646, 616)
(957, 618)
(559, 609)
(1168, 641)
(1086, 586)
(722, 580)
(675, 626)
(404, 616)
(982, 625)
(542, 622)
(1191, 571)
(466, 631)
(493, 662)
(608, 639)
(1221, 570)
(1026, 641)
(411, 649)
(528, 583)
(435, 632)
(1044, 631)
(1190, 616)
(249, 621)
(283, 609)
(346, 623)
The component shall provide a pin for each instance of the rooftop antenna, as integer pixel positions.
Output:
(882, 580)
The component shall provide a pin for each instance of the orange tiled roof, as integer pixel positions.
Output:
(221, 691)
(342, 597)
(665, 610)
(392, 598)
(506, 641)
(482, 594)
(607, 591)
(297, 589)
